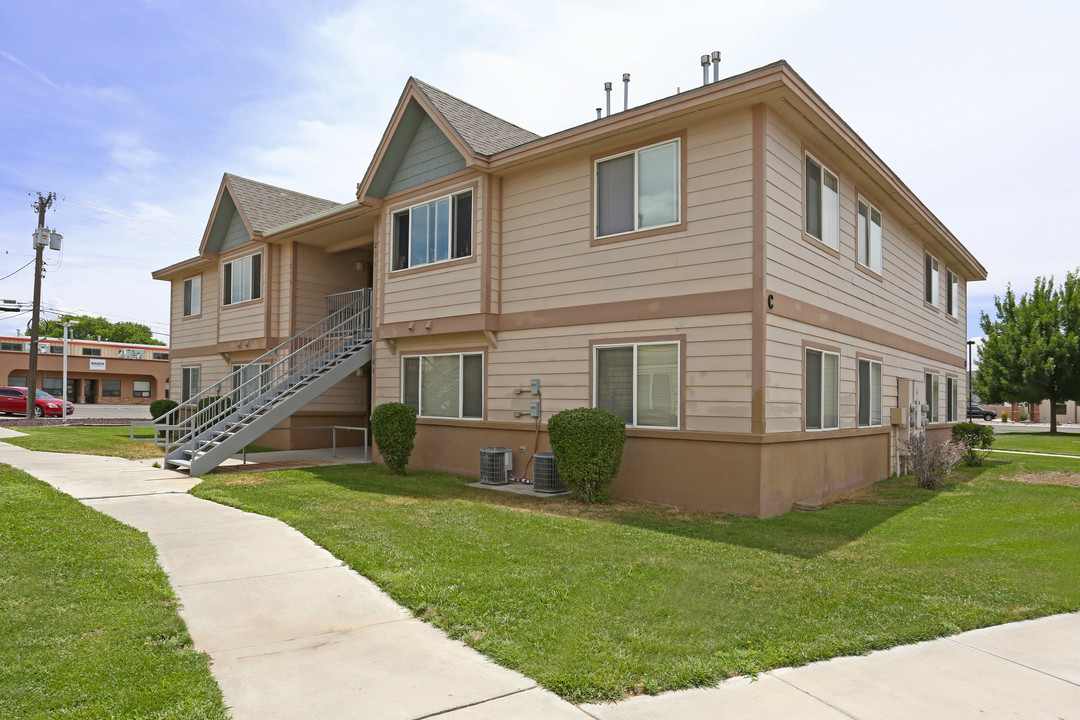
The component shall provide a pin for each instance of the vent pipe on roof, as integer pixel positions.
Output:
(599, 113)
(625, 91)
(705, 69)
(715, 65)
(607, 92)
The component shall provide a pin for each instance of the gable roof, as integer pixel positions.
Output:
(484, 133)
(259, 206)
(267, 206)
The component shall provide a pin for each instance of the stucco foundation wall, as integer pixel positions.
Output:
(821, 468)
(292, 435)
(711, 476)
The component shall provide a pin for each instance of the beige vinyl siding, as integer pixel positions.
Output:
(437, 290)
(548, 260)
(784, 373)
(803, 269)
(281, 296)
(244, 320)
(717, 370)
(196, 330)
(319, 274)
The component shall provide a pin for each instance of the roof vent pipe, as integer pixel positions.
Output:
(599, 113)
(607, 92)
(625, 91)
(715, 65)
(705, 69)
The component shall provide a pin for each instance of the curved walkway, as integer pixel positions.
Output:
(294, 634)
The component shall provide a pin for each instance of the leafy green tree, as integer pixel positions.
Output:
(84, 327)
(1032, 350)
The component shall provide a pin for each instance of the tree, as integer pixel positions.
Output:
(1032, 350)
(84, 327)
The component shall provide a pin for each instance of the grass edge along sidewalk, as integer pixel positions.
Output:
(88, 623)
(596, 603)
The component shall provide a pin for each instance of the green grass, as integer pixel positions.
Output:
(1044, 442)
(598, 602)
(88, 624)
(88, 440)
(113, 440)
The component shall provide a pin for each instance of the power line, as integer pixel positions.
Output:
(127, 227)
(17, 271)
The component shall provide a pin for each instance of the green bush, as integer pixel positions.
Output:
(161, 407)
(1022, 417)
(220, 404)
(393, 429)
(588, 445)
(976, 440)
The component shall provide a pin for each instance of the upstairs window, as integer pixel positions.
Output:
(242, 280)
(869, 221)
(822, 390)
(93, 352)
(952, 293)
(161, 356)
(14, 346)
(434, 232)
(822, 206)
(638, 190)
(193, 296)
(932, 280)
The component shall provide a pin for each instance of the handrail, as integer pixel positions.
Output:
(271, 375)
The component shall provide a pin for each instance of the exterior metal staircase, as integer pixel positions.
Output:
(210, 427)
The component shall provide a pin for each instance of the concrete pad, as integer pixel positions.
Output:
(766, 698)
(394, 671)
(1051, 644)
(535, 704)
(235, 614)
(940, 679)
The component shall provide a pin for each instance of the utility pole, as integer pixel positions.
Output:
(41, 239)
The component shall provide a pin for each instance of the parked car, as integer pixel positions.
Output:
(976, 411)
(13, 402)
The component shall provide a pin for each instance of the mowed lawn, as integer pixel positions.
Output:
(88, 624)
(111, 440)
(596, 603)
(1043, 442)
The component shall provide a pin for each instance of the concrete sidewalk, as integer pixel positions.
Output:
(294, 634)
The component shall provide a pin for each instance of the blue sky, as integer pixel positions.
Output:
(131, 111)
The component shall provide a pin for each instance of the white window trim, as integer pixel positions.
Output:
(935, 283)
(952, 393)
(635, 346)
(873, 391)
(232, 302)
(409, 209)
(833, 243)
(461, 383)
(196, 298)
(677, 142)
(952, 285)
(870, 210)
(821, 410)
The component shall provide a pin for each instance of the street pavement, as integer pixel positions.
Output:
(293, 633)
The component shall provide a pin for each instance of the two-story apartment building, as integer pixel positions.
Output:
(730, 269)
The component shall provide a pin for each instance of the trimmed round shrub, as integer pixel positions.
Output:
(588, 445)
(393, 430)
(976, 440)
(161, 407)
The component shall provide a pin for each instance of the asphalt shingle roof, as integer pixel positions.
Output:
(267, 206)
(481, 131)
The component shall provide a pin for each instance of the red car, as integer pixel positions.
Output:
(13, 402)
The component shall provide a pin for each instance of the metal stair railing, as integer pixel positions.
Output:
(268, 379)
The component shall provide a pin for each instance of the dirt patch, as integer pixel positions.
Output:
(251, 479)
(1049, 478)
